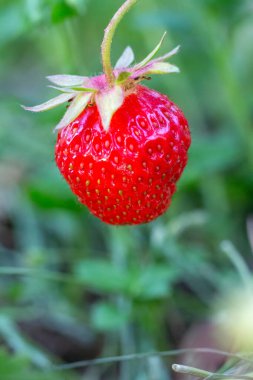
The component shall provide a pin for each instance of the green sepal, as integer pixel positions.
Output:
(152, 54)
(123, 76)
(73, 89)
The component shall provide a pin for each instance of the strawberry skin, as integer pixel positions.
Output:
(127, 174)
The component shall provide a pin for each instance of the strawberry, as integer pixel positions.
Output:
(126, 175)
(121, 146)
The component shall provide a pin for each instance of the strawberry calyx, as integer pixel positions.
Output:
(107, 90)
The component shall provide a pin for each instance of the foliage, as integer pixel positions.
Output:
(138, 288)
(18, 368)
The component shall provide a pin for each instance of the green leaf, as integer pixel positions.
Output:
(10, 30)
(108, 317)
(61, 11)
(102, 276)
(17, 367)
(47, 191)
(17, 342)
(153, 283)
(211, 154)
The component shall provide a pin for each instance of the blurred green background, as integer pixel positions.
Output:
(72, 288)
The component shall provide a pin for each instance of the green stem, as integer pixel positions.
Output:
(108, 37)
(200, 373)
(145, 355)
(191, 371)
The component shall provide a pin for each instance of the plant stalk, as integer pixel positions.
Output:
(108, 37)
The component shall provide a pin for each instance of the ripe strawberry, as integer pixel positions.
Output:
(126, 175)
(121, 146)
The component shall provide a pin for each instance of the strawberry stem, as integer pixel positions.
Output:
(108, 37)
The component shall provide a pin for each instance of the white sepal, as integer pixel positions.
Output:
(155, 66)
(108, 102)
(74, 110)
(161, 68)
(168, 55)
(67, 80)
(151, 55)
(52, 103)
(125, 59)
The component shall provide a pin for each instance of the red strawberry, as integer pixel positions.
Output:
(128, 174)
(121, 146)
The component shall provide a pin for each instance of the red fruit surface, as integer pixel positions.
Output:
(128, 174)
